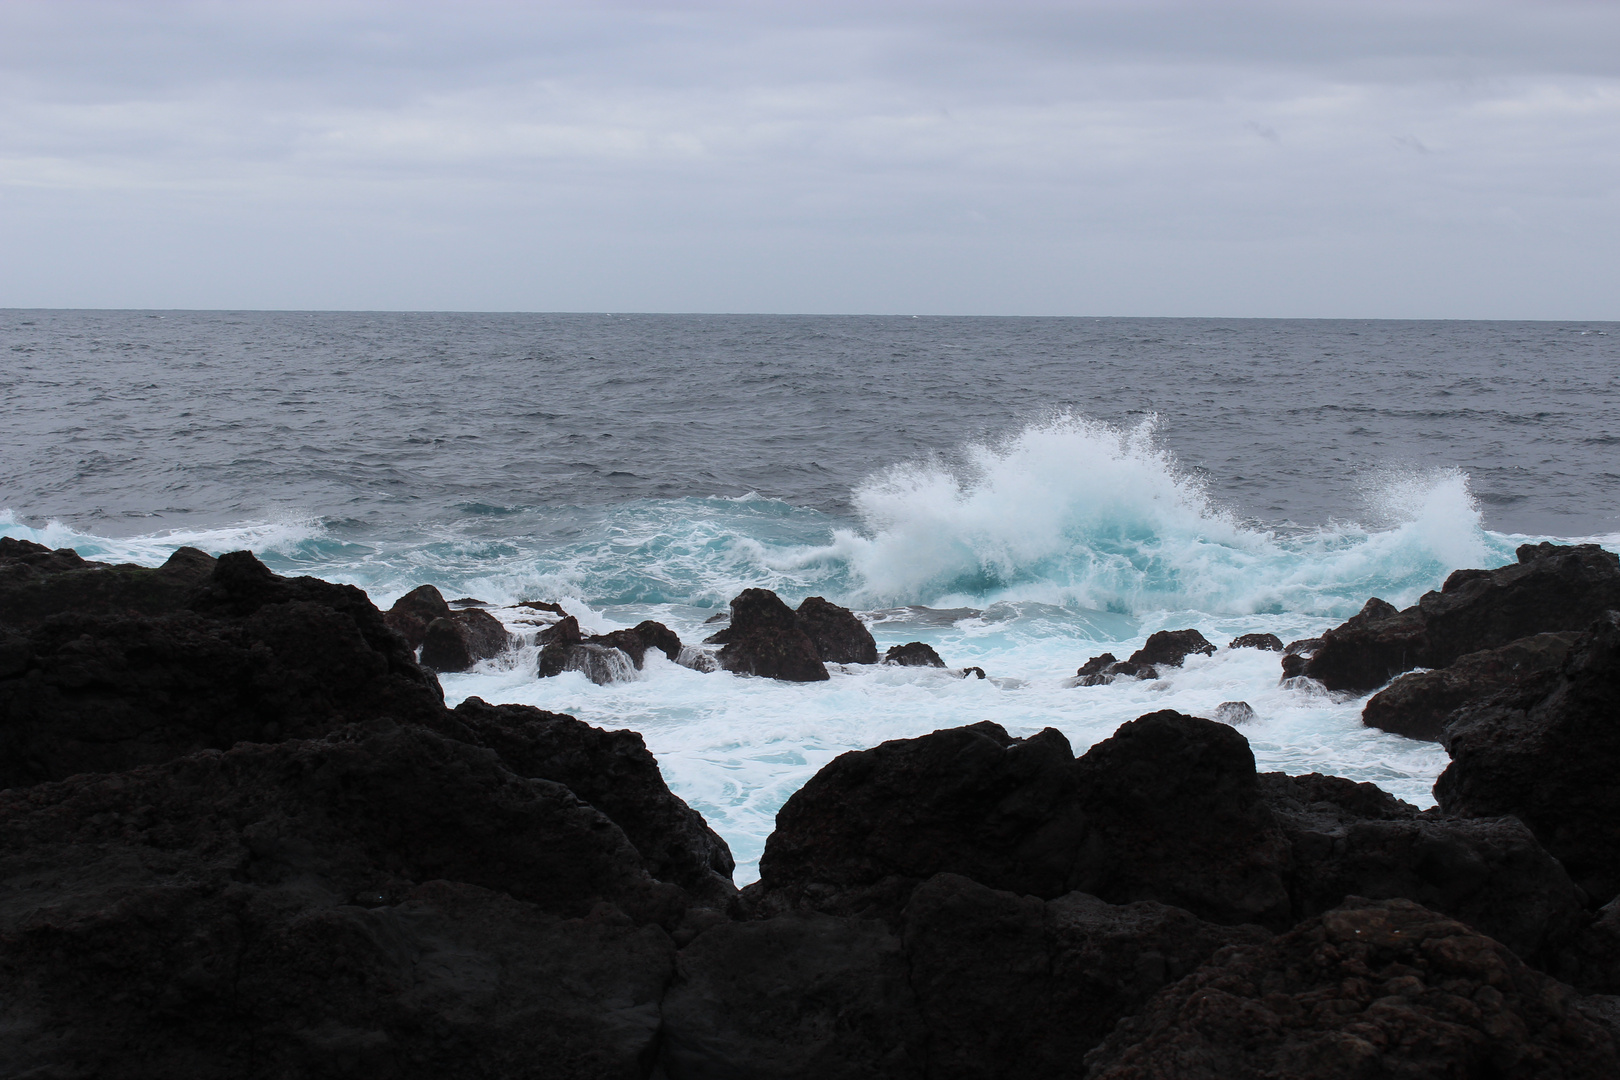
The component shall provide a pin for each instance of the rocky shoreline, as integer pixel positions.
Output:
(241, 835)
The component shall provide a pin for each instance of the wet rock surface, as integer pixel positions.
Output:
(764, 638)
(461, 639)
(913, 654)
(839, 637)
(1366, 990)
(1168, 648)
(1417, 705)
(1264, 642)
(1550, 589)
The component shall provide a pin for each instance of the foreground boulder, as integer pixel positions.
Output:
(1366, 990)
(1547, 752)
(247, 656)
(36, 582)
(1550, 589)
(384, 901)
(1417, 704)
(764, 638)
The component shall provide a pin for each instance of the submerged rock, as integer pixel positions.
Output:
(1551, 589)
(1366, 990)
(1234, 712)
(913, 654)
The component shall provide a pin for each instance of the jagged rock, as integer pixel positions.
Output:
(459, 641)
(1173, 813)
(467, 602)
(1134, 669)
(913, 654)
(1296, 654)
(839, 637)
(1547, 752)
(414, 612)
(1096, 665)
(1013, 986)
(36, 582)
(543, 605)
(800, 996)
(1387, 989)
(1266, 642)
(384, 901)
(1168, 648)
(859, 836)
(764, 639)
(635, 642)
(1417, 704)
(613, 771)
(1349, 839)
(256, 657)
(563, 647)
(1234, 712)
(1550, 589)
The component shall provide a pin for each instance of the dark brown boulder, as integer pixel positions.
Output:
(382, 902)
(635, 642)
(563, 647)
(1168, 648)
(860, 835)
(414, 612)
(913, 654)
(797, 997)
(839, 637)
(1296, 654)
(1417, 704)
(36, 582)
(1265, 642)
(259, 658)
(764, 639)
(1013, 986)
(1350, 839)
(614, 772)
(461, 639)
(1174, 813)
(1386, 989)
(1096, 665)
(1550, 589)
(1547, 752)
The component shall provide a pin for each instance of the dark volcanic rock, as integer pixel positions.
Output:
(1547, 752)
(1367, 990)
(1266, 642)
(564, 648)
(1133, 668)
(645, 635)
(913, 654)
(1296, 654)
(801, 996)
(1550, 589)
(1174, 814)
(972, 800)
(1350, 839)
(839, 637)
(1169, 648)
(764, 639)
(257, 657)
(1096, 665)
(1416, 705)
(36, 582)
(414, 612)
(1013, 986)
(383, 902)
(613, 771)
(460, 640)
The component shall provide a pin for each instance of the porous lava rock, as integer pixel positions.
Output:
(764, 638)
(913, 654)
(862, 832)
(1264, 642)
(412, 613)
(460, 640)
(251, 656)
(1418, 703)
(1296, 654)
(1096, 665)
(839, 637)
(1369, 989)
(36, 582)
(635, 641)
(1168, 648)
(1548, 752)
(1350, 839)
(382, 901)
(1551, 588)
(615, 773)
(1174, 813)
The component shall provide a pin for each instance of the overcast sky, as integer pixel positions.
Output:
(1302, 159)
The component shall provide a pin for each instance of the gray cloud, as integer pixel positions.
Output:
(1420, 159)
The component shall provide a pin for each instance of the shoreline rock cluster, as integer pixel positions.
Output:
(242, 835)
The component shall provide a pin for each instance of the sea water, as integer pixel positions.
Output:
(1022, 494)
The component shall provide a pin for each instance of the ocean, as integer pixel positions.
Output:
(1020, 493)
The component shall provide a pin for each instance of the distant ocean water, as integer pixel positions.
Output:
(1020, 493)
